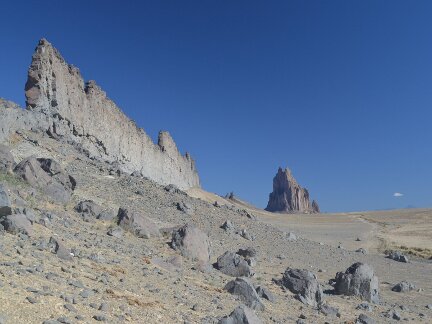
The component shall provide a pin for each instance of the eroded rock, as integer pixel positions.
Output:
(243, 288)
(304, 284)
(358, 280)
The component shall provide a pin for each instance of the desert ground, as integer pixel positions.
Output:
(130, 279)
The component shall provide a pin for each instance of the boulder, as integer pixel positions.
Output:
(304, 284)
(137, 224)
(364, 319)
(265, 293)
(288, 196)
(403, 286)
(243, 288)
(7, 162)
(185, 207)
(116, 232)
(228, 226)
(234, 265)
(192, 243)
(5, 203)
(17, 223)
(248, 252)
(398, 256)
(241, 315)
(358, 280)
(88, 207)
(48, 176)
(59, 249)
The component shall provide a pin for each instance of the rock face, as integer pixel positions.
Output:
(358, 280)
(82, 113)
(288, 196)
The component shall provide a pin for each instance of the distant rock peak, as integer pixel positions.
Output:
(288, 196)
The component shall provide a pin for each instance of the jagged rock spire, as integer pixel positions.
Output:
(288, 196)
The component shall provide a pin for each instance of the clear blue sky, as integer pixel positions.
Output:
(339, 91)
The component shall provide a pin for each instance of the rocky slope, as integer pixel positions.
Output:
(61, 103)
(288, 196)
(115, 248)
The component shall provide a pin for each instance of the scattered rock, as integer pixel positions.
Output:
(48, 176)
(358, 280)
(7, 162)
(364, 319)
(393, 314)
(233, 265)
(59, 249)
(361, 250)
(5, 204)
(330, 311)
(364, 306)
(291, 237)
(17, 223)
(243, 288)
(403, 286)
(137, 224)
(185, 207)
(265, 293)
(115, 232)
(304, 284)
(398, 256)
(228, 226)
(192, 243)
(241, 315)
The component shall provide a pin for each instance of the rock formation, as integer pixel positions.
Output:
(62, 104)
(288, 196)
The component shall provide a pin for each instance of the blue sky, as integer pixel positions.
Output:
(339, 91)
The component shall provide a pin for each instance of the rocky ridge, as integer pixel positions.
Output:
(288, 196)
(60, 103)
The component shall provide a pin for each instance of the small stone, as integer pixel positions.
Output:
(70, 308)
(103, 307)
(31, 300)
(100, 318)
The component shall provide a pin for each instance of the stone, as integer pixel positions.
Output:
(403, 286)
(358, 280)
(291, 237)
(7, 161)
(393, 314)
(47, 175)
(361, 250)
(228, 226)
(138, 224)
(243, 288)
(88, 207)
(248, 252)
(304, 284)
(398, 256)
(364, 319)
(364, 306)
(241, 315)
(81, 113)
(233, 265)
(17, 223)
(265, 293)
(116, 232)
(185, 207)
(330, 311)
(192, 243)
(59, 249)
(5, 203)
(288, 196)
